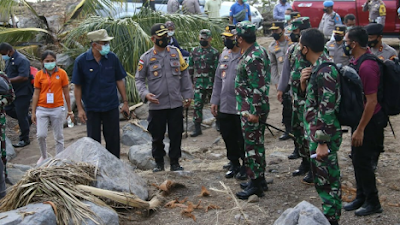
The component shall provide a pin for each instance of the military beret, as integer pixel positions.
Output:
(374, 29)
(277, 24)
(340, 29)
(229, 31)
(328, 3)
(245, 28)
(205, 33)
(301, 23)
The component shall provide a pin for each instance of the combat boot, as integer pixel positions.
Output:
(308, 179)
(285, 136)
(264, 185)
(242, 175)
(197, 130)
(295, 154)
(254, 188)
(235, 168)
(303, 169)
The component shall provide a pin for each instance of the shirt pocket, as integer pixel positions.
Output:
(155, 72)
(175, 67)
(224, 69)
(109, 74)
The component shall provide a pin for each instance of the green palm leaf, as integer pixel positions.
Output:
(16, 35)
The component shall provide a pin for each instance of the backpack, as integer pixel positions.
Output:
(389, 86)
(351, 105)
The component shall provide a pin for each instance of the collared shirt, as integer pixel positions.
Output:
(172, 6)
(377, 11)
(235, 8)
(328, 22)
(18, 65)
(98, 80)
(276, 52)
(384, 52)
(212, 8)
(224, 84)
(51, 84)
(336, 53)
(165, 75)
(191, 7)
(279, 11)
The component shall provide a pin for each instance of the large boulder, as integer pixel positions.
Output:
(10, 150)
(38, 213)
(113, 174)
(142, 112)
(303, 214)
(104, 215)
(135, 134)
(141, 156)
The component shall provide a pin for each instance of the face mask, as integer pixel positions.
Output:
(204, 43)
(105, 49)
(171, 33)
(338, 38)
(244, 1)
(50, 65)
(287, 17)
(294, 37)
(373, 43)
(162, 43)
(5, 57)
(229, 43)
(325, 10)
(277, 36)
(303, 55)
(347, 50)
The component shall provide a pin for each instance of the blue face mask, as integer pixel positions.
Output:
(6, 57)
(287, 17)
(244, 1)
(50, 65)
(105, 49)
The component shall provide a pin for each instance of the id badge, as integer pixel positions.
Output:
(50, 98)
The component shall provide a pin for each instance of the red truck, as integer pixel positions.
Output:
(313, 9)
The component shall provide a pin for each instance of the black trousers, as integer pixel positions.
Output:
(110, 120)
(362, 158)
(231, 132)
(158, 119)
(19, 109)
(287, 111)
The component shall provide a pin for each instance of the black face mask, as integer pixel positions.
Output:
(325, 10)
(162, 43)
(204, 43)
(229, 44)
(277, 36)
(347, 49)
(294, 37)
(303, 55)
(338, 38)
(373, 43)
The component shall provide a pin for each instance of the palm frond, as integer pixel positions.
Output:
(15, 35)
(90, 6)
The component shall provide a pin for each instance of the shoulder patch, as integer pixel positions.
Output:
(140, 65)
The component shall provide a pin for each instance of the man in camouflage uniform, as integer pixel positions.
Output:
(4, 101)
(252, 88)
(335, 47)
(377, 11)
(293, 15)
(203, 62)
(293, 65)
(377, 46)
(320, 85)
(276, 53)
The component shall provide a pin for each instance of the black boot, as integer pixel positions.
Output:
(175, 165)
(285, 136)
(254, 188)
(295, 154)
(242, 175)
(334, 222)
(235, 168)
(308, 179)
(264, 185)
(355, 204)
(217, 125)
(197, 130)
(303, 169)
(227, 166)
(159, 167)
(369, 208)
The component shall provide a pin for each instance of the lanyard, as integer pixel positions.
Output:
(49, 81)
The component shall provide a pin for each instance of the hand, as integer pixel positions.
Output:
(187, 102)
(305, 75)
(357, 138)
(214, 110)
(125, 110)
(279, 96)
(252, 118)
(82, 116)
(33, 117)
(322, 151)
(72, 116)
(150, 98)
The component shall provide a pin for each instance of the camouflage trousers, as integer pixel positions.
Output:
(326, 175)
(3, 142)
(200, 96)
(253, 134)
(298, 130)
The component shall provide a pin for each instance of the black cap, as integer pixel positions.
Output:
(294, 15)
(340, 29)
(230, 30)
(374, 29)
(277, 24)
(159, 29)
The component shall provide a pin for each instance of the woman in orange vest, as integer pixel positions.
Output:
(51, 83)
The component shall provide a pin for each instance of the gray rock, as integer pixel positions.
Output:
(54, 22)
(142, 112)
(135, 135)
(253, 199)
(15, 175)
(64, 60)
(214, 156)
(10, 150)
(279, 155)
(303, 214)
(38, 213)
(21, 167)
(105, 215)
(113, 174)
(269, 180)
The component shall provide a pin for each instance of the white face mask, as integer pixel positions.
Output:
(171, 33)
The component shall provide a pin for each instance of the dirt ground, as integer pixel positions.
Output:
(205, 169)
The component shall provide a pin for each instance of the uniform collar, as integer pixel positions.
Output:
(45, 71)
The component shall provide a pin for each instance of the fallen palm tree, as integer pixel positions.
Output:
(64, 185)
